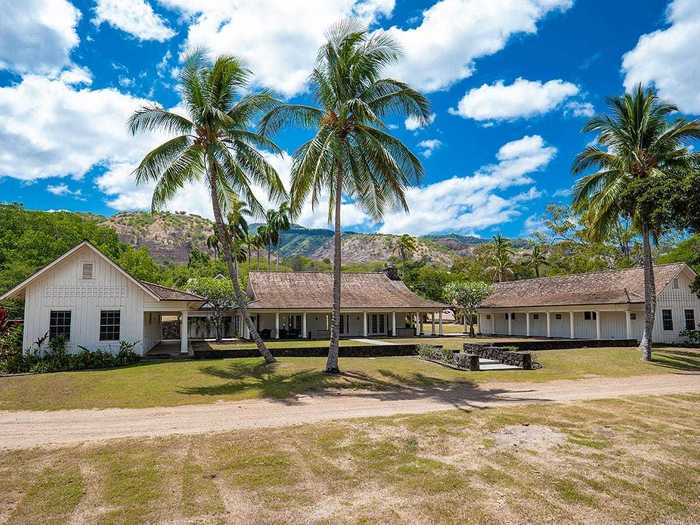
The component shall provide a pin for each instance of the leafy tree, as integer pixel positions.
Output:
(636, 147)
(501, 253)
(220, 298)
(214, 244)
(139, 264)
(214, 143)
(407, 246)
(536, 258)
(467, 296)
(351, 151)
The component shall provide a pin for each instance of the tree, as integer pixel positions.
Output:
(467, 296)
(277, 221)
(220, 298)
(536, 258)
(406, 245)
(500, 251)
(351, 152)
(214, 244)
(636, 148)
(213, 143)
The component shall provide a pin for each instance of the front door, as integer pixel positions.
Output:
(377, 325)
(344, 324)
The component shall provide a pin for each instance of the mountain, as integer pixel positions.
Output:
(170, 237)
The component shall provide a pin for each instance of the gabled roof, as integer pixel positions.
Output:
(157, 292)
(595, 288)
(314, 291)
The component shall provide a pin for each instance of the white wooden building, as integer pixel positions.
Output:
(596, 305)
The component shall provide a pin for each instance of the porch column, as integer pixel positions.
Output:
(442, 331)
(246, 330)
(364, 324)
(393, 324)
(184, 336)
(549, 326)
(420, 323)
(597, 326)
(571, 325)
(304, 335)
(432, 321)
(510, 323)
(527, 324)
(628, 324)
(277, 325)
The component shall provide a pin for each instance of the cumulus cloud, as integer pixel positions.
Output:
(37, 35)
(135, 17)
(452, 34)
(62, 190)
(521, 99)
(579, 109)
(278, 40)
(472, 203)
(668, 58)
(413, 123)
(428, 146)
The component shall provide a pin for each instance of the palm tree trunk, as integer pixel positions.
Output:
(649, 295)
(332, 362)
(233, 272)
(277, 258)
(269, 257)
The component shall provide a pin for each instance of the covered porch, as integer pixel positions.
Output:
(580, 322)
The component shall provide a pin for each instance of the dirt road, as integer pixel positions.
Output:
(28, 429)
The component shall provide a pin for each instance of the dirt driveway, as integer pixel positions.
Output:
(28, 429)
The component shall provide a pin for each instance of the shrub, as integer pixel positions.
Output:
(447, 355)
(692, 335)
(11, 355)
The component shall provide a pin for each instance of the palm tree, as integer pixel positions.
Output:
(214, 244)
(536, 258)
(281, 219)
(501, 253)
(213, 143)
(269, 234)
(636, 147)
(406, 246)
(351, 152)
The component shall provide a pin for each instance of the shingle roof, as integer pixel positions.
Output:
(171, 294)
(607, 287)
(314, 290)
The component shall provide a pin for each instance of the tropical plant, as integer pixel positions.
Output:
(213, 143)
(636, 148)
(277, 221)
(500, 252)
(351, 152)
(406, 246)
(214, 244)
(466, 296)
(220, 298)
(536, 258)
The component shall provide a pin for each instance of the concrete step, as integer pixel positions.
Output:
(498, 366)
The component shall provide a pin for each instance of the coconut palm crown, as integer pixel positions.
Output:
(214, 143)
(636, 147)
(351, 153)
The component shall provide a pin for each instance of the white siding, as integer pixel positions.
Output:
(560, 327)
(676, 300)
(62, 288)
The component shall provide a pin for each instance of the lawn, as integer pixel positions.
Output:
(631, 460)
(191, 382)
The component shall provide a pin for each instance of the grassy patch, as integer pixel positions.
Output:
(193, 382)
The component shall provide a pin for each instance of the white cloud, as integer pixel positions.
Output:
(471, 203)
(278, 40)
(452, 34)
(428, 146)
(37, 35)
(413, 123)
(562, 192)
(76, 75)
(668, 58)
(135, 17)
(521, 99)
(579, 109)
(62, 190)
(533, 224)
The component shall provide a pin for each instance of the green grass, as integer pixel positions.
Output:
(431, 468)
(192, 382)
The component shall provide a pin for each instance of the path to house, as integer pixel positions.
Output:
(28, 429)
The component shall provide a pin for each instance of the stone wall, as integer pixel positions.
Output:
(504, 355)
(565, 344)
(202, 351)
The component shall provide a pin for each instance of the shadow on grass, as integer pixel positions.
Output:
(268, 381)
(687, 361)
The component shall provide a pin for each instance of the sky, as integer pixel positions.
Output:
(511, 84)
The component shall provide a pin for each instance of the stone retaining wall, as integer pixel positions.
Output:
(565, 344)
(313, 351)
(505, 356)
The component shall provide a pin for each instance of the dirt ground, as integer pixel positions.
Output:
(27, 429)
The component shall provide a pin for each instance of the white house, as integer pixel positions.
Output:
(596, 305)
(89, 300)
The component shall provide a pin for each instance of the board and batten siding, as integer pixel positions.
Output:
(677, 300)
(63, 288)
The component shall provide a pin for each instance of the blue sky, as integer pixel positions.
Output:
(511, 83)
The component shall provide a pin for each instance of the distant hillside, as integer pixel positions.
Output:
(171, 237)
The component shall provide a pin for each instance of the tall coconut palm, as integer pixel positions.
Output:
(500, 251)
(280, 221)
(536, 258)
(406, 246)
(214, 144)
(636, 145)
(351, 153)
(214, 244)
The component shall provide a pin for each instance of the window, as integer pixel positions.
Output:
(557, 316)
(589, 316)
(87, 271)
(109, 325)
(488, 316)
(506, 316)
(59, 324)
(535, 316)
(667, 316)
(675, 284)
(633, 316)
(690, 319)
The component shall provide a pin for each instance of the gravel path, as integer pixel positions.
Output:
(26, 429)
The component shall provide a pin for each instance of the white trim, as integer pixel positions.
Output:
(70, 252)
